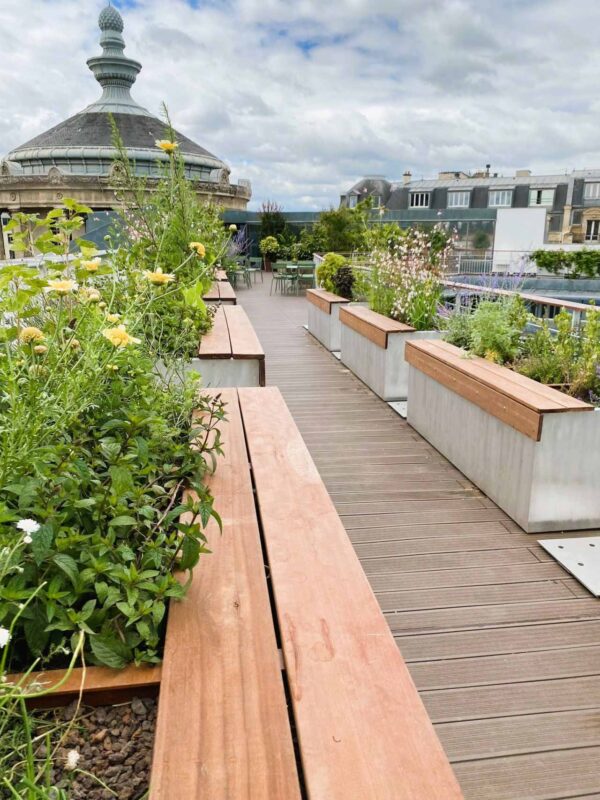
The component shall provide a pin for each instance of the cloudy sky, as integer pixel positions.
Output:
(303, 97)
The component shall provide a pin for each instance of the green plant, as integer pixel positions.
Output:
(457, 329)
(481, 240)
(269, 247)
(574, 264)
(343, 282)
(94, 455)
(327, 269)
(496, 329)
(406, 278)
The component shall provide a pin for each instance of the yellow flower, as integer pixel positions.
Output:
(31, 334)
(166, 144)
(112, 367)
(159, 277)
(199, 248)
(233, 228)
(74, 344)
(92, 265)
(62, 286)
(113, 317)
(492, 355)
(119, 337)
(40, 349)
(102, 304)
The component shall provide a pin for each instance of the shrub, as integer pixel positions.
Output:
(343, 282)
(406, 279)
(457, 329)
(327, 269)
(95, 454)
(496, 329)
(269, 247)
(574, 264)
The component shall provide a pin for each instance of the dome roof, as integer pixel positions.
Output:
(83, 144)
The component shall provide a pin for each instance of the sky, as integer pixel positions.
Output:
(305, 97)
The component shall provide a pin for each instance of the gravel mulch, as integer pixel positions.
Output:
(114, 745)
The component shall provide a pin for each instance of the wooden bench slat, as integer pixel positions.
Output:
(221, 275)
(507, 409)
(373, 326)
(531, 393)
(363, 731)
(243, 338)
(226, 292)
(223, 728)
(323, 299)
(213, 292)
(216, 343)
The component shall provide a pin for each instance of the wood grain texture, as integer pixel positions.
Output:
(324, 300)
(216, 343)
(96, 684)
(363, 731)
(371, 325)
(226, 292)
(223, 730)
(243, 338)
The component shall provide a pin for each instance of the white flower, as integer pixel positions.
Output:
(4, 637)
(28, 526)
(27, 539)
(72, 760)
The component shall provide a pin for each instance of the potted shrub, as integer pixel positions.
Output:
(404, 295)
(486, 400)
(269, 248)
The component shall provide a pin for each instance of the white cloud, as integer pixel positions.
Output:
(304, 97)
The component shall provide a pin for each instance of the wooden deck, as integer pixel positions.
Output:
(502, 643)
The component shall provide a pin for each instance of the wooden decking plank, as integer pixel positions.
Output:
(531, 733)
(216, 343)
(467, 576)
(474, 596)
(550, 776)
(437, 544)
(226, 292)
(468, 617)
(223, 730)
(381, 568)
(512, 699)
(526, 638)
(352, 694)
(517, 667)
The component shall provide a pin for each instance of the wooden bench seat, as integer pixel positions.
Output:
(221, 292)
(324, 300)
(230, 354)
(220, 275)
(223, 731)
(515, 399)
(372, 325)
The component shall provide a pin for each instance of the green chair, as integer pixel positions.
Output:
(306, 276)
(255, 266)
(279, 278)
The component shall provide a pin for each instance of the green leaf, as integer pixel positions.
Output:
(122, 480)
(109, 651)
(190, 552)
(87, 502)
(42, 543)
(35, 632)
(123, 521)
(69, 566)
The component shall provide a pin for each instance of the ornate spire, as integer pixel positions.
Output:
(113, 70)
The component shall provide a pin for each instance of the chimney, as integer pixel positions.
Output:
(487, 170)
(407, 177)
(523, 173)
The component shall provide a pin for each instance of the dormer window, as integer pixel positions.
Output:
(500, 198)
(419, 199)
(352, 201)
(459, 199)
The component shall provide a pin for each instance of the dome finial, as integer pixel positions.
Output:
(110, 19)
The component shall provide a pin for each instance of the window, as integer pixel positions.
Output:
(352, 201)
(592, 230)
(592, 191)
(499, 198)
(419, 199)
(541, 197)
(459, 199)
(376, 201)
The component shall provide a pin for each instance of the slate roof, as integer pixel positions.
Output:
(94, 130)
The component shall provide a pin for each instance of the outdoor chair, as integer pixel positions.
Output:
(306, 276)
(255, 266)
(280, 277)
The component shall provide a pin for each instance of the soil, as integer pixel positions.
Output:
(114, 744)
